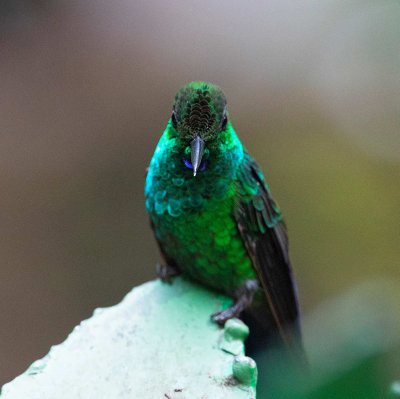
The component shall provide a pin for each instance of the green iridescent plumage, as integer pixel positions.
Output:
(220, 227)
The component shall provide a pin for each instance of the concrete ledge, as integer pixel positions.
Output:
(158, 342)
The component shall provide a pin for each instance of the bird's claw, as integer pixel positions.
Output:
(223, 316)
(244, 298)
(166, 272)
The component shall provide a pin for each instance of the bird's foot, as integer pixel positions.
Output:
(244, 298)
(224, 315)
(165, 272)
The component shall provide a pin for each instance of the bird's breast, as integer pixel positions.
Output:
(198, 231)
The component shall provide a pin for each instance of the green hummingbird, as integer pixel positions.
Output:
(213, 215)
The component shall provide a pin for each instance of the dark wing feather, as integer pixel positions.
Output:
(264, 233)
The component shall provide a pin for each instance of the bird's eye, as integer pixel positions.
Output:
(174, 120)
(224, 121)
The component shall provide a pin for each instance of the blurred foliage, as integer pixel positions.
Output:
(353, 348)
(365, 380)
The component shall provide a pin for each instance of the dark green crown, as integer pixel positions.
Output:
(199, 107)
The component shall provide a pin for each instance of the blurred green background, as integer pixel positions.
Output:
(86, 88)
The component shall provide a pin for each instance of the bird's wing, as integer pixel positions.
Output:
(262, 228)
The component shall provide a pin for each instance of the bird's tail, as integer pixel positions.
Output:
(266, 341)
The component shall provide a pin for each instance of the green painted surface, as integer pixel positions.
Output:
(245, 370)
(235, 333)
(158, 342)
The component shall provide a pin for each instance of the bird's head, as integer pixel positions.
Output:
(199, 116)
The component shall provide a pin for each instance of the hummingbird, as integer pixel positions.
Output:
(214, 217)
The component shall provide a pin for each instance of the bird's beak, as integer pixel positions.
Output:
(197, 150)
